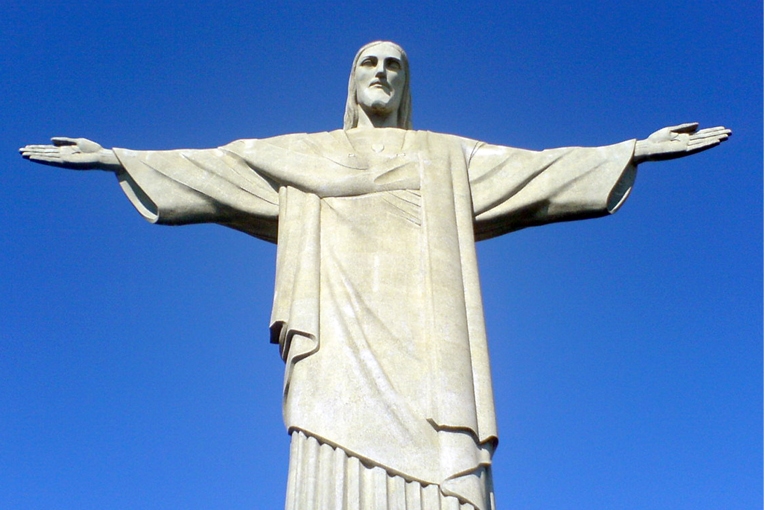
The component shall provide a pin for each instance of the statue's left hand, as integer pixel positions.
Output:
(678, 141)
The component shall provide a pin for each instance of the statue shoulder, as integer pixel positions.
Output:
(447, 141)
(301, 143)
(281, 140)
(322, 144)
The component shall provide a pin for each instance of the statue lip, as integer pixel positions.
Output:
(381, 84)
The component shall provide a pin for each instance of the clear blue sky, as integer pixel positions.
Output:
(627, 351)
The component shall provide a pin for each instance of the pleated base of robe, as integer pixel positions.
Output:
(323, 477)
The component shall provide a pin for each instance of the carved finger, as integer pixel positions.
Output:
(718, 131)
(719, 137)
(26, 150)
(710, 135)
(28, 153)
(704, 141)
(26, 147)
(707, 144)
(688, 127)
(58, 141)
(46, 159)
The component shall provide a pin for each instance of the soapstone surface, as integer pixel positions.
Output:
(377, 309)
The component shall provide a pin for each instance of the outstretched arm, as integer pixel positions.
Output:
(678, 141)
(74, 153)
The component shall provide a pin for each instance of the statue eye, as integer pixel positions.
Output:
(368, 61)
(394, 64)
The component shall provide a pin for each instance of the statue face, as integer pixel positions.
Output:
(380, 79)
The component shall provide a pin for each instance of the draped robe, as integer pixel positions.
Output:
(377, 307)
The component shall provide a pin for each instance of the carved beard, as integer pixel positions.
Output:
(380, 106)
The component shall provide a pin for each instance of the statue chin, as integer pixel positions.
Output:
(380, 108)
(378, 102)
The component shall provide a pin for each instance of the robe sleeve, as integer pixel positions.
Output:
(181, 187)
(513, 189)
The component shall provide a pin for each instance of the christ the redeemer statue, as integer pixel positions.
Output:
(377, 307)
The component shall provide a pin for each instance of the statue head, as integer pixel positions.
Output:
(379, 83)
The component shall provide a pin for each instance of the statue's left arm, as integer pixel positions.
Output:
(678, 141)
(513, 189)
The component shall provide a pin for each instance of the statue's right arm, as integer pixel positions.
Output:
(74, 153)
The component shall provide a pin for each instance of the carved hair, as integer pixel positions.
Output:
(351, 119)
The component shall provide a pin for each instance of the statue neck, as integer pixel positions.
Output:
(370, 119)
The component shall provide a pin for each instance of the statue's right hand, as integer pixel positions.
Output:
(74, 153)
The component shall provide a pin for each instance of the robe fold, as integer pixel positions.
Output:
(377, 306)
